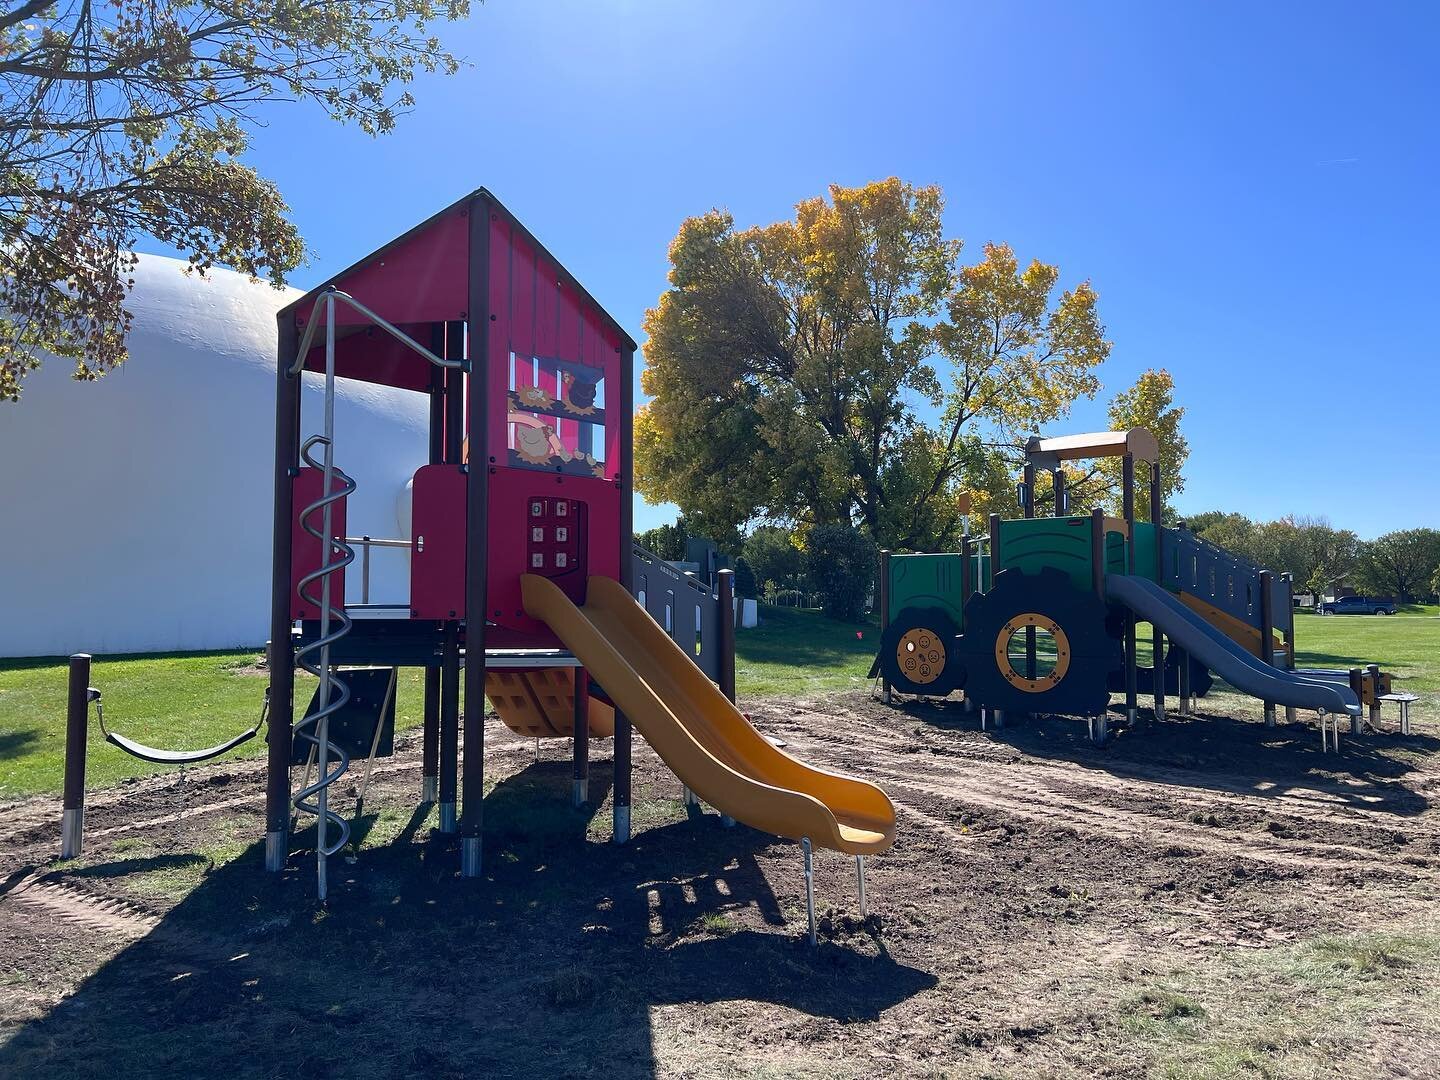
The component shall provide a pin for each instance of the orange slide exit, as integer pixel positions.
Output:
(699, 733)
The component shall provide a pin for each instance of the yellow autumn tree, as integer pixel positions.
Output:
(844, 368)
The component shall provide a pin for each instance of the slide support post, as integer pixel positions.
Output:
(809, 885)
(1267, 633)
(860, 885)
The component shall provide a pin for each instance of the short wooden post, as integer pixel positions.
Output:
(1289, 634)
(77, 730)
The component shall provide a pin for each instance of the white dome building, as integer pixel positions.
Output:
(136, 510)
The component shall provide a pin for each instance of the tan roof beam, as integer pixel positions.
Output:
(1049, 453)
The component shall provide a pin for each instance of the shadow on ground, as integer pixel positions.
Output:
(551, 964)
(1217, 751)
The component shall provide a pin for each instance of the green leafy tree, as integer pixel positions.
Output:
(771, 552)
(666, 541)
(841, 562)
(130, 119)
(1398, 564)
(745, 584)
(788, 365)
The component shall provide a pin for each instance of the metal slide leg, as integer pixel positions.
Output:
(860, 885)
(809, 885)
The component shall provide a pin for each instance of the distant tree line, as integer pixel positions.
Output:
(1404, 564)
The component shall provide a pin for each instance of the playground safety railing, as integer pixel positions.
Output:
(365, 543)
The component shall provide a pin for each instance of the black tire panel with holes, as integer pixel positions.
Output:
(917, 652)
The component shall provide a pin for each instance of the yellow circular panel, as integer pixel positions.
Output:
(921, 655)
(1018, 679)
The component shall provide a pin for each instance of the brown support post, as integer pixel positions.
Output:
(883, 591)
(1288, 635)
(726, 579)
(1097, 551)
(1127, 481)
(624, 481)
(967, 570)
(997, 715)
(1029, 508)
(477, 507)
(1099, 725)
(77, 731)
(430, 745)
(1157, 638)
(1267, 634)
(580, 788)
(282, 647)
(1062, 497)
(449, 726)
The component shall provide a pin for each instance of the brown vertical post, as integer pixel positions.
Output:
(430, 745)
(726, 579)
(1127, 482)
(77, 731)
(449, 727)
(477, 515)
(1099, 725)
(449, 721)
(1157, 638)
(624, 480)
(580, 788)
(1029, 482)
(282, 647)
(882, 587)
(997, 715)
(967, 570)
(1288, 635)
(1267, 634)
(1062, 497)
(1097, 551)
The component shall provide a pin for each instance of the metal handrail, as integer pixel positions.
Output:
(365, 543)
(332, 294)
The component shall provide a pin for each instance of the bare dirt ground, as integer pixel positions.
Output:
(1198, 898)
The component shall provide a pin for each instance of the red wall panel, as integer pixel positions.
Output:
(307, 554)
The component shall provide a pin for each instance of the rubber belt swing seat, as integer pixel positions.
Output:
(183, 757)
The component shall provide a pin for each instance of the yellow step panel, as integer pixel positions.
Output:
(539, 703)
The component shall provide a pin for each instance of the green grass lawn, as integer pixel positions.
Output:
(199, 699)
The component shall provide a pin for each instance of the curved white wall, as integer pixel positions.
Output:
(135, 511)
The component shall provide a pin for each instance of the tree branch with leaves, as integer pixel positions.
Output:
(129, 118)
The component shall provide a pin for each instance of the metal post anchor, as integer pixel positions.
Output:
(275, 851)
(809, 885)
(860, 885)
(429, 789)
(470, 857)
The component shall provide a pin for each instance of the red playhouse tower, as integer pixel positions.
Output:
(524, 583)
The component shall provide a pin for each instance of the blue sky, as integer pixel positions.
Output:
(1252, 188)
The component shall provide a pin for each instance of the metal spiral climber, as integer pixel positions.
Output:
(314, 657)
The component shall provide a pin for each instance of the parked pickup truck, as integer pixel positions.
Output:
(1358, 605)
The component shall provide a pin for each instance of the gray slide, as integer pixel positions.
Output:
(1159, 607)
